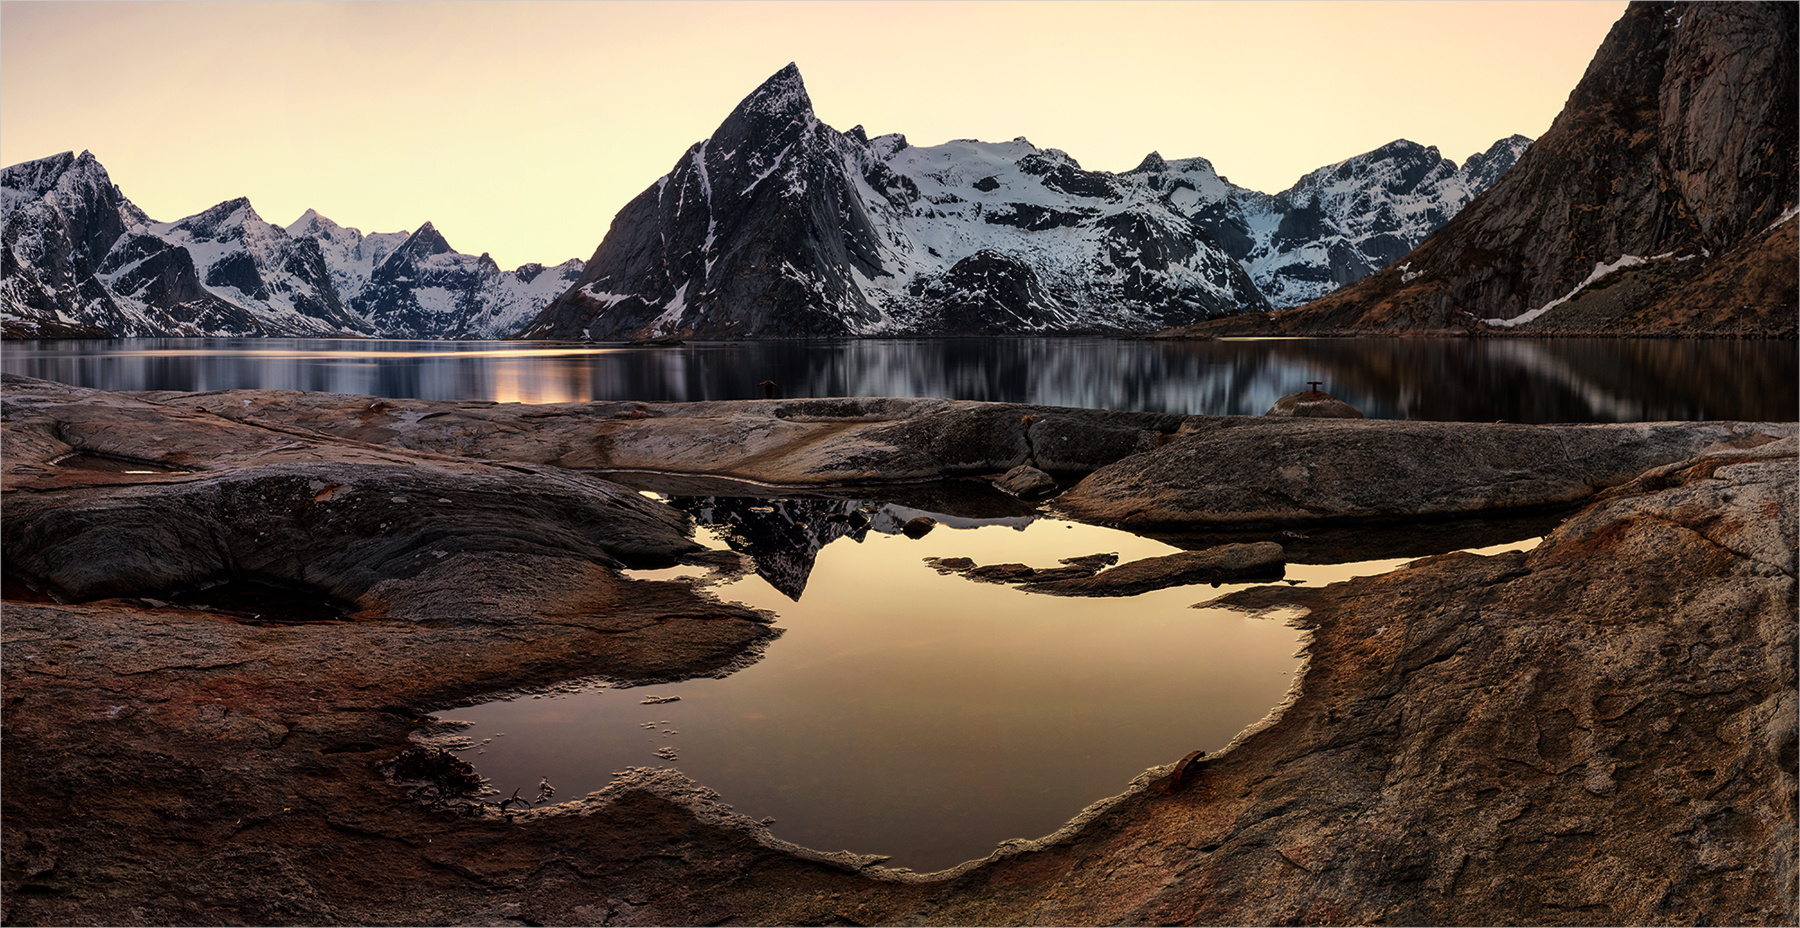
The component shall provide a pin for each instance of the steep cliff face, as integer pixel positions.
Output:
(1674, 156)
(759, 216)
(62, 215)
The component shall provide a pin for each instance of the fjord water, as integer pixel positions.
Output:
(1463, 379)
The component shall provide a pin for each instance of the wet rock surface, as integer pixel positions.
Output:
(1600, 731)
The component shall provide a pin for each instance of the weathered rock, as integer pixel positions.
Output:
(1598, 731)
(1065, 443)
(1258, 471)
(414, 536)
(816, 442)
(1027, 482)
(1001, 573)
(1227, 563)
(1315, 404)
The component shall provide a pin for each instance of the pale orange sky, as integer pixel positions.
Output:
(521, 128)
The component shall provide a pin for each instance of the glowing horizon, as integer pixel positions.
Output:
(520, 129)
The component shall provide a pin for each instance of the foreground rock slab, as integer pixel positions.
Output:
(1598, 731)
(1275, 471)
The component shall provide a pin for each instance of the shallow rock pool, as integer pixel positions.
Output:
(910, 712)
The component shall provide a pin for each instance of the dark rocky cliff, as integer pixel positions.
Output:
(782, 232)
(1676, 152)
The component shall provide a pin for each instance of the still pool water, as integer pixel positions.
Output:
(917, 714)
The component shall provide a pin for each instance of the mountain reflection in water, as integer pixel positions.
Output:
(1448, 379)
(782, 537)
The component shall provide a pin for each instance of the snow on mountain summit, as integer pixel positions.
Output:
(778, 225)
(775, 225)
(82, 260)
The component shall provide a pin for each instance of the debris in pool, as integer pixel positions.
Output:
(658, 700)
(668, 753)
(545, 790)
(670, 731)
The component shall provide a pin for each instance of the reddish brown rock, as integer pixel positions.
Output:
(1599, 731)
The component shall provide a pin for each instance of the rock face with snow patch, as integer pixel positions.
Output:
(62, 214)
(1661, 200)
(82, 260)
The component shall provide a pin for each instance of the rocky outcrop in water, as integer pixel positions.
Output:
(1660, 201)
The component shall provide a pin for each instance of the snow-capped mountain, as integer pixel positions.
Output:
(61, 215)
(781, 225)
(81, 260)
(1339, 223)
(777, 225)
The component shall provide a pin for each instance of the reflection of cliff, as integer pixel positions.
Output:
(783, 536)
(1552, 380)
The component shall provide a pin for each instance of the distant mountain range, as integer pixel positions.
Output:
(80, 260)
(778, 225)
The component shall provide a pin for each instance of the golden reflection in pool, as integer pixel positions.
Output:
(924, 715)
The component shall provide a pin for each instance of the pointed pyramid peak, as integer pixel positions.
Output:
(783, 94)
(238, 207)
(427, 241)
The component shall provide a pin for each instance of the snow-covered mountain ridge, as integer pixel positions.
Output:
(780, 225)
(777, 225)
(81, 259)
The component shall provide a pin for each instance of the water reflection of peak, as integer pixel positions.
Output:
(783, 537)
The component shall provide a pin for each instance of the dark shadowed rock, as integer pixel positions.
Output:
(1677, 149)
(918, 526)
(1233, 563)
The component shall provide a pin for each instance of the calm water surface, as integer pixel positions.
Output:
(915, 714)
(1521, 380)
